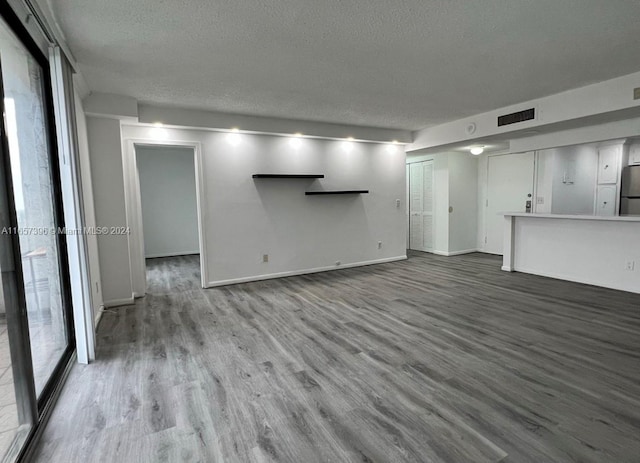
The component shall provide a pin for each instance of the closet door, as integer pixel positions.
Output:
(421, 206)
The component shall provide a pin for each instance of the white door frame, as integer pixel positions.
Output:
(134, 209)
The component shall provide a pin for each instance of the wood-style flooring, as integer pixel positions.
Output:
(433, 359)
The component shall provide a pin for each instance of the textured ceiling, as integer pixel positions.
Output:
(398, 64)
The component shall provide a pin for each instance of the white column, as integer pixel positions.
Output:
(508, 251)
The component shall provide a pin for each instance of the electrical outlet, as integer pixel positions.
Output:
(397, 203)
(631, 265)
(539, 199)
(379, 244)
(636, 93)
(265, 258)
(338, 262)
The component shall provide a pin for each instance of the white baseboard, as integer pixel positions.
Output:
(96, 322)
(586, 281)
(119, 302)
(269, 276)
(506, 269)
(454, 253)
(171, 254)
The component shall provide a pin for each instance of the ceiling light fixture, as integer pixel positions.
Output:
(235, 129)
(157, 124)
(477, 150)
(350, 138)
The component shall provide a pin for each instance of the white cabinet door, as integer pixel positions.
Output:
(606, 201)
(609, 158)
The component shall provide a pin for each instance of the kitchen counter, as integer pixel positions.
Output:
(616, 218)
(601, 251)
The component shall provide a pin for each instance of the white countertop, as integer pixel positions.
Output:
(617, 218)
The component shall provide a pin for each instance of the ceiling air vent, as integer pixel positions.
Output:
(514, 118)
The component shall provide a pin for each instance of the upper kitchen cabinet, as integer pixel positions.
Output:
(609, 163)
(634, 154)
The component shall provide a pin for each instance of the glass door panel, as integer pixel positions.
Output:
(16, 405)
(33, 174)
(17, 393)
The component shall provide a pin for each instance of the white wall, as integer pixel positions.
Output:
(605, 101)
(483, 183)
(622, 129)
(105, 150)
(246, 218)
(441, 199)
(168, 196)
(463, 198)
(150, 114)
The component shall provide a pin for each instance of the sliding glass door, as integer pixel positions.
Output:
(35, 285)
(33, 182)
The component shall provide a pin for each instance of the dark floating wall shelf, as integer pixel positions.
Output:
(337, 192)
(288, 175)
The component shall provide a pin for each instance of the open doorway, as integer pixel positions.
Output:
(169, 208)
(165, 216)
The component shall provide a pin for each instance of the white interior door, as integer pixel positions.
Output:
(509, 187)
(421, 206)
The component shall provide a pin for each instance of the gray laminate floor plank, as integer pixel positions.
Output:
(432, 359)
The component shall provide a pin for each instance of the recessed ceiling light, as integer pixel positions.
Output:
(350, 138)
(157, 124)
(234, 138)
(477, 150)
(235, 129)
(295, 141)
(395, 142)
(297, 134)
